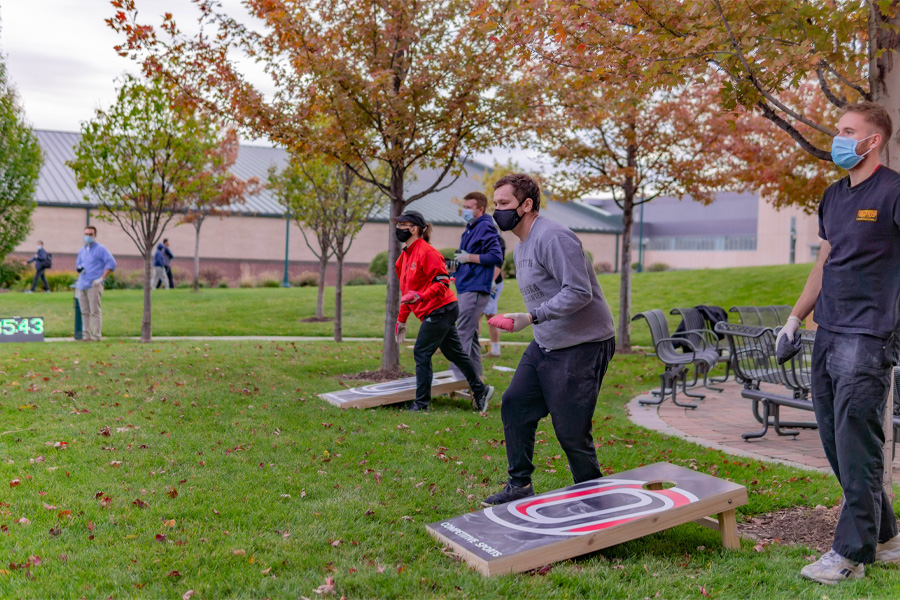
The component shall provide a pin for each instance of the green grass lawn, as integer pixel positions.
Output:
(278, 311)
(213, 467)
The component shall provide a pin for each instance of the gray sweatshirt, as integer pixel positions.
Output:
(558, 284)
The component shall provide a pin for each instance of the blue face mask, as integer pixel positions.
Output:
(468, 214)
(88, 239)
(843, 151)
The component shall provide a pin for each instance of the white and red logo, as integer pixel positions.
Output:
(587, 507)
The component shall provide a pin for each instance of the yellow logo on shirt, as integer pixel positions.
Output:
(867, 215)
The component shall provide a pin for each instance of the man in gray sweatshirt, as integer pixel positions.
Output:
(574, 339)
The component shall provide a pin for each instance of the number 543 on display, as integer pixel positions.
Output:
(22, 329)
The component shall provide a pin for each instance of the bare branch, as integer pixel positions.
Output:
(835, 99)
(758, 85)
(867, 95)
(771, 115)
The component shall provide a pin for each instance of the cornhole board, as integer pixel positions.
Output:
(588, 516)
(390, 392)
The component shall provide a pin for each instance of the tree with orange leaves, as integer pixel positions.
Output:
(765, 52)
(398, 84)
(219, 191)
(634, 146)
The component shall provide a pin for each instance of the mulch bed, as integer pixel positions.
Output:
(379, 376)
(316, 320)
(812, 527)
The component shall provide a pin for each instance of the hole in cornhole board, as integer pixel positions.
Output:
(659, 485)
(585, 517)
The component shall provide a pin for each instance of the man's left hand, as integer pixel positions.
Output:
(463, 257)
(520, 320)
(97, 283)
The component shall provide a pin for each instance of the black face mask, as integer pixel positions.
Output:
(507, 219)
(402, 235)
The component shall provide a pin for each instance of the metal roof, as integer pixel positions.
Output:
(56, 187)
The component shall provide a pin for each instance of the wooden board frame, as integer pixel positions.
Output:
(515, 537)
(391, 392)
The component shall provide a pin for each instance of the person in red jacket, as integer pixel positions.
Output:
(425, 289)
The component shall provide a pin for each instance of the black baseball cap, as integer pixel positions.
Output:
(412, 217)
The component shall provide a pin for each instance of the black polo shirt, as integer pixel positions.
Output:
(861, 278)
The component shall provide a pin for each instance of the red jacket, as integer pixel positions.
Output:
(420, 268)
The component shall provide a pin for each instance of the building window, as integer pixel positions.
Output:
(814, 252)
(703, 243)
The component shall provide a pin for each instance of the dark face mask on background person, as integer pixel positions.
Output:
(507, 219)
(402, 235)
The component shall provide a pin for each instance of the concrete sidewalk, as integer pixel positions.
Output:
(254, 338)
(720, 419)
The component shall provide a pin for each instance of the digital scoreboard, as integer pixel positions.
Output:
(22, 329)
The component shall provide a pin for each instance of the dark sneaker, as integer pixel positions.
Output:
(417, 408)
(480, 403)
(508, 494)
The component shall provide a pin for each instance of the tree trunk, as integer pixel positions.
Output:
(884, 86)
(623, 335)
(146, 330)
(628, 191)
(339, 297)
(884, 80)
(320, 293)
(390, 353)
(197, 225)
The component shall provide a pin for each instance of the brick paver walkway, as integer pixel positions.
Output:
(721, 418)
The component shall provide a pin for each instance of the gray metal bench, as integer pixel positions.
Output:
(762, 316)
(676, 363)
(753, 360)
(708, 340)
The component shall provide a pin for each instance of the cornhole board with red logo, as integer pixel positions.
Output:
(390, 392)
(588, 516)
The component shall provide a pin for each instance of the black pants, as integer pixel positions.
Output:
(438, 330)
(564, 384)
(169, 275)
(39, 275)
(850, 383)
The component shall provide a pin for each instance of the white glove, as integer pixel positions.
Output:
(463, 257)
(97, 282)
(789, 329)
(493, 291)
(400, 332)
(520, 320)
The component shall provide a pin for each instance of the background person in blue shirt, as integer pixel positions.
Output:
(160, 279)
(479, 252)
(41, 262)
(94, 264)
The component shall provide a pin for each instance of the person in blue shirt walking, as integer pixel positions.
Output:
(94, 264)
(41, 262)
(479, 252)
(160, 279)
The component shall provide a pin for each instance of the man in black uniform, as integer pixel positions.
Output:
(855, 289)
